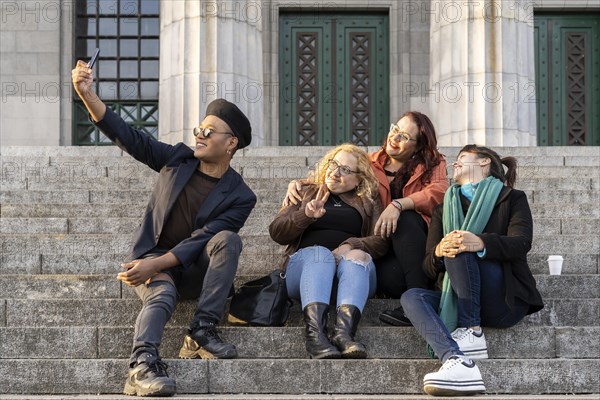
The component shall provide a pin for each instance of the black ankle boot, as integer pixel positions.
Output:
(346, 324)
(317, 343)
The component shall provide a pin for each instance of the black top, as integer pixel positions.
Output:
(397, 185)
(340, 222)
(180, 223)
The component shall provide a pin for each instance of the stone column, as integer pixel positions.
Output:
(209, 49)
(30, 80)
(482, 72)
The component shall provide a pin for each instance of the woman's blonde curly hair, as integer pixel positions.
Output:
(367, 186)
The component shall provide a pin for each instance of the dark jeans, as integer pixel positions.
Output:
(479, 286)
(402, 267)
(209, 279)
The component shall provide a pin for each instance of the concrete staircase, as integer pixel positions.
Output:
(67, 218)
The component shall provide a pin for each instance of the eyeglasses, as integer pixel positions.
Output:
(399, 136)
(207, 132)
(333, 166)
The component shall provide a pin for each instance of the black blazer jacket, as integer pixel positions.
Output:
(507, 238)
(225, 209)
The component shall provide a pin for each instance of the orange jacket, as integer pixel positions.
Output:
(425, 197)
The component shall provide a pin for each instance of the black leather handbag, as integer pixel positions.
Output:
(262, 302)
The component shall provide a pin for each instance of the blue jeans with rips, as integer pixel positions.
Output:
(312, 271)
(479, 286)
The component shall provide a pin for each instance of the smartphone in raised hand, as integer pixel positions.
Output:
(94, 58)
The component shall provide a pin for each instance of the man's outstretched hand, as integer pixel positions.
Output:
(83, 79)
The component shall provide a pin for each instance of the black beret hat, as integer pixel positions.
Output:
(234, 117)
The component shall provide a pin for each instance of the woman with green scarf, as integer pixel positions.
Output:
(477, 248)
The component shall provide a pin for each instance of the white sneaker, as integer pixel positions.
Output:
(458, 376)
(470, 343)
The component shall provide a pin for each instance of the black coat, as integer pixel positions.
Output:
(507, 238)
(225, 209)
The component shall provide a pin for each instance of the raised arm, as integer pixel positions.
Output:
(82, 78)
(142, 147)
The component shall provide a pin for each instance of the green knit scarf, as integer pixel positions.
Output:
(475, 221)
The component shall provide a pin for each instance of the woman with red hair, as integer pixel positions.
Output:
(412, 181)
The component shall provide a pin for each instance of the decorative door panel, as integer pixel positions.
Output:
(306, 90)
(333, 79)
(568, 79)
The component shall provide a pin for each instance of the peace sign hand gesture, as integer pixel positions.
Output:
(316, 207)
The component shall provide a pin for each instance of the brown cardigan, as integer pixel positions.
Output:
(291, 222)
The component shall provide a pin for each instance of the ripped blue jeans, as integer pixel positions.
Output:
(312, 271)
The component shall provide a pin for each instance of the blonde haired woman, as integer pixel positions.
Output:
(329, 237)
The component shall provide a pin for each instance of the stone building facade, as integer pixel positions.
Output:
(470, 65)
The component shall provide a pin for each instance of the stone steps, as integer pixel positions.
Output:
(123, 311)
(94, 262)
(106, 286)
(254, 224)
(267, 211)
(564, 156)
(279, 184)
(276, 151)
(141, 177)
(101, 342)
(265, 195)
(90, 165)
(254, 245)
(297, 376)
(271, 195)
(67, 217)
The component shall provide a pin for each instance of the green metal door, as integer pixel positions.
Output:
(334, 79)
(568, 79)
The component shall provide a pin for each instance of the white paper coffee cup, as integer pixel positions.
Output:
(555, 264)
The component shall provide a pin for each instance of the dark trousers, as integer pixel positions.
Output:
(209, 279)
(479, 286)
(402, 267)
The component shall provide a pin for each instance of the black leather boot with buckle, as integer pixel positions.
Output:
(317, 342)
(346, 323)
